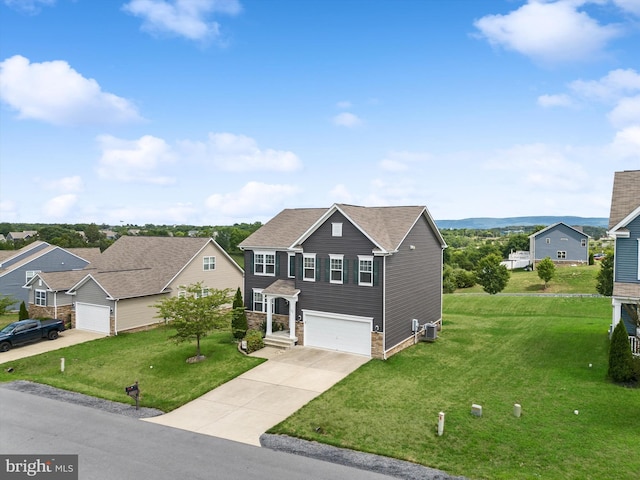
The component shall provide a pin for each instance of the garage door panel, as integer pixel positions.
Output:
(94, 318)
(338, 332)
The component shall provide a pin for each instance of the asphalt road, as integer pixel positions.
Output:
(112, 446)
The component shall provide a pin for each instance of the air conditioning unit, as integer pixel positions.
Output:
(430, 332)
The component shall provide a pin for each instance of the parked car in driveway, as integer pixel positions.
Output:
(28, 331)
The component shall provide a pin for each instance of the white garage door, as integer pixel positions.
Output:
(334, 331)
(94, 318)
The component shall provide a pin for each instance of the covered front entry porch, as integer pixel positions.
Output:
(286, 290)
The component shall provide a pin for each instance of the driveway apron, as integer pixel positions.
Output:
(247, 406)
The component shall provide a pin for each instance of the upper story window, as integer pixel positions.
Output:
(583, 242)
(264, 263)
(365, 270)
(336, 268)
(40, 298)
(209, 263)
(562, 254)
(292, 265)
(336, 229)
(29, 274)
(547, 240)
(309, 267)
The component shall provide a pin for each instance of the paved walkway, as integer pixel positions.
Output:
(247, 406)
(66, 339)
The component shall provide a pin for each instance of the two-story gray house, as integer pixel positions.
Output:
(624, 227)
(560, 242)
(346, 278)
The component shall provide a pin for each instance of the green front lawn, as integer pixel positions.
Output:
(103, 367)
(493, 351)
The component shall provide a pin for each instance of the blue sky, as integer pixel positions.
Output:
(212, 112)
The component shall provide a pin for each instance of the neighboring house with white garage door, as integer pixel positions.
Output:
(134, 273)
(346, 278)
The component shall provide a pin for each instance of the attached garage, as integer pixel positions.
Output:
(95, 318)
(335, 331)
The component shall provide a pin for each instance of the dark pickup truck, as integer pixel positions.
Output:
(27, 331)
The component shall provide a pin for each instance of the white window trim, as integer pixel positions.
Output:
(336, 229)
(291, 272)
(304, 267)
(362, 258)
(547, 240)
(583, 242)
(253, 300)
(35, 298)
(207, 263)
(561, 255)
(264, 263)
(29, 274)
(331, 270)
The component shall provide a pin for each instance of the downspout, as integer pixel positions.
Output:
(384, 306)
(55, 304)
(115, 316)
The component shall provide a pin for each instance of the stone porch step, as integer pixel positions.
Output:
(280, 341)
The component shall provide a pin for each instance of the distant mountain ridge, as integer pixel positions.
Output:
(488, 223)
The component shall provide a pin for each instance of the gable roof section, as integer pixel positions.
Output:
(57, 281)
(386, 227)
(89, 254)
(140, 266)
(625, 200)
(550, 227)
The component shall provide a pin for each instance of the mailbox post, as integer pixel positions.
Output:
(134, 392)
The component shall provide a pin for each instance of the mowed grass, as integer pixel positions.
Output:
(104, 367)
(493, 351)
(578, 279)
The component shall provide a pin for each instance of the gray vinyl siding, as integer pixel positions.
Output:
(56, 260)
(557, 242)
(263, 281)
(348, 297)
(91, 293)
(626, 256)
(414, 283)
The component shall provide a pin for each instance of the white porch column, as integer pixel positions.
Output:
(292, 317)
(617, 313)
(269, 299)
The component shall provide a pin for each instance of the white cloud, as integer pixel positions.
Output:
(186, 18)
(561, 100)
(346, 119)
(53, 92)
(66, 184)
(614, 85)
(134, 161)
(400, 161)
(60, 206)
(626, 112)
(254, 198)
(632, 6)
(29, 6)
(549, 31)
(8, 210)
(239, 153)
(340, 194)
(626, 143)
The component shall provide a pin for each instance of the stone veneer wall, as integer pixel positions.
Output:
(377, 345)
(255, 320)
(65, 313)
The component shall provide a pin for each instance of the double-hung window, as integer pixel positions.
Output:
(309, 267)
(29, 274)
(258, 301)
(264, 263)
(40, 298)
(562, 255)
(365, 270)
(208, 263)
(336, 268)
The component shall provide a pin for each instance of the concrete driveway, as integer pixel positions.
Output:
(66, 338)
(247, 406)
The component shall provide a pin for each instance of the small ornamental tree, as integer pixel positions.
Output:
(491, 275)
(5, 302)
(604, 285)
(238, 316)
(23, 314)
(546, 270)
(620, 356)
(196, 313)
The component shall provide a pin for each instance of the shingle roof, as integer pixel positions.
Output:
(625, 197)
(91, 254)
(59, 281)
(138, 266)
(539, 232)
(386, 226)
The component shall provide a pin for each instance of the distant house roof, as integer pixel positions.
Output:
(625, 199)
(539, 232)
(22, 235)
(139, 266)
(386, 227)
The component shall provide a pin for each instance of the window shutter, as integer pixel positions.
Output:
(277, 267)
(318, 269)
(300, 267)
(345, 271)
(376, 268)
(327, 272)
(355, 271)
(250, 259)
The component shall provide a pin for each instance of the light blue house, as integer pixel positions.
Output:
(560, 242)
(624, 227)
